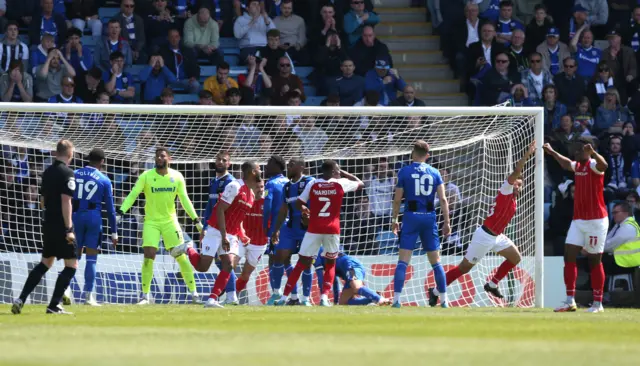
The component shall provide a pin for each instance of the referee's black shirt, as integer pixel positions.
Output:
(57, 179)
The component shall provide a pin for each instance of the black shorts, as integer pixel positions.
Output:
(54, 243)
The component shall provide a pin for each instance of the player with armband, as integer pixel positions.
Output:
(418, 184)
(490, 237)
(93, 191)
(161, 185)
(322, 199)
(288, 232)
(588, 230)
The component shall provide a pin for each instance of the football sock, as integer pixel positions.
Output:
(359, 301)
(90, 273)
(307, 282)
(230, 288)
(33, 280)
(441, 279)
(369, 294)
(194, 257)
(147, 275)
(294, 290)
(398, 280)
(275, 278)
(329, 276)
(319, 277)
(240, 284)
(293, 278)
(336, 290)
(570, 275)
(187, 272)
(502, 271)
(219, 285)
(597, 282)
(453, 274)
(63, 281)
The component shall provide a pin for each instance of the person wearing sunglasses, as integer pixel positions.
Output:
(571, 86)
(132, 26)
(356, 19)
(535, 78)
(497, 82)
(284, 82)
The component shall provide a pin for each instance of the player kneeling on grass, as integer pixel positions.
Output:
(490, 237)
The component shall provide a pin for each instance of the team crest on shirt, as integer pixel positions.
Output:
(594, 53)
(125, 79)
(172, 180)
(301, 185)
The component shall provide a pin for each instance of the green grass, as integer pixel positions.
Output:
(186, 335)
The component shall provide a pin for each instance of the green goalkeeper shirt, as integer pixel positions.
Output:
(160, 193)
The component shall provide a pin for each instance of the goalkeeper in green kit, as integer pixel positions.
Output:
(161, 186)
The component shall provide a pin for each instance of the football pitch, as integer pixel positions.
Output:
(188, 335)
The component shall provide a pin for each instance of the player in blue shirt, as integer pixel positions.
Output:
(418, 184)
(93, 191)
(293, 227)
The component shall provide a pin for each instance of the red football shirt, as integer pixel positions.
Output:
(253, 224)
(324, 199)
(502, 210)
(240, 198)
(588, 201)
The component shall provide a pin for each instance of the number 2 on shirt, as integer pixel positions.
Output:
(327, 203)
(422, 187)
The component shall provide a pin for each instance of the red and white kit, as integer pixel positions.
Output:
(496, 222)
(590, 222)
(324, 199)
(240, 199)
(254, 228)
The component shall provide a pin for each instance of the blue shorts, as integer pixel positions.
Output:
(88, 228)
(290, 240)
(354, 273)
(420, 225)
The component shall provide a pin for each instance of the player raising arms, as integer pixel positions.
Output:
(323, 201)
(418, 183)
(490, 235)
(588, 230)
(161, 185)
(93, 191)
(292, 234)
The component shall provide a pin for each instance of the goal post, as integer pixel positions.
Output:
(474, 147)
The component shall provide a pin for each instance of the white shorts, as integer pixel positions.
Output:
(482, 243)
(212, 243)
(311, 244)
(589, 234)
(252, 253)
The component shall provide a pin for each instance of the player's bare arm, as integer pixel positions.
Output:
(531, 150)
(220, 213)
(444, 208)
(397, 203)
(564, 162)
(601, 162)
(282, 215)
(67, 209)
(352, 177)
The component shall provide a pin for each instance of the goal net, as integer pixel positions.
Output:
(474, 148)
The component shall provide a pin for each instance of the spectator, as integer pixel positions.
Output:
(380, 189)
(166, 96)
(583, 114)
(484, 51)
(49, 75)
(350, 87)
(408, 98)
(47, 22)
(257, 81)
(181, 62)
(84, 13)
(611, 116)
(520, 97)
(553, 52)
(159, 22)
(601, 82)
(12, 48)
(184, 9)
(90, 86)
(553, 110)
(518, 56)
(219, 83)
(222, 13)
(154, 78)
(312, 138)
(579, 20)
(205, 98)
(362, 228)
(625, 231)
(537, 29)
(535, 78)
(385, 80)
(571, 87)
(293, 32)
(16, 85)
(40, 52)
(617, 173)
(201, 34)
(118, 83)
(457, 49)
(133, 26)
(21, 11)
(78, 55)
(233, 96)
(328, 22)
(3, 13)
(587, 56)
(251, 30)
(565, 134)
(367, 50)
(506, 24)
(498, 81)
(329, 59)
(630, 142)
(621, 60)
(247, 139)
(68, 92)
(489, 9)
(284, 82)
(598, 11)
(273, 52)
(356, 19)
(632, 35)
(112, 42)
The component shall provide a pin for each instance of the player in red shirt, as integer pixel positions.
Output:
(588, 230)
(323, 201)
(490, 237)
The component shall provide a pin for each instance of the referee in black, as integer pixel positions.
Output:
(59, 241)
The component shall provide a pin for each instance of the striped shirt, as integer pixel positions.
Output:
(8, 52)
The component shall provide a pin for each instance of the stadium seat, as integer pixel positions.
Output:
(309, 91)
(303, 72)
(231, 51)
(134, 70)
(228, 42)
(185, 98)
(313, 101)
(105, 14)
(89, 41)
(24, 38)
(232, 60)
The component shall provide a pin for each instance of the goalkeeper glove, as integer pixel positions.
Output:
(198, 225)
